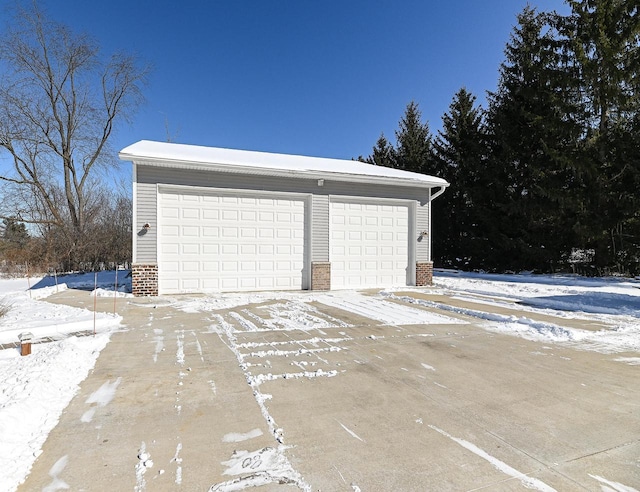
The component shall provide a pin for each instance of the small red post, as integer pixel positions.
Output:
(25, 343)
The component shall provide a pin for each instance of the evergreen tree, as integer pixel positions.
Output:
(383, 153)
(15, 233)
(605, 39)
(413, 147)
(459, 215)
(412, 151)
(533, 131)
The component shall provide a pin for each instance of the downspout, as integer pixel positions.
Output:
(431, 198)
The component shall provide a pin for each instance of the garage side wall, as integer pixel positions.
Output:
(149, 176)
(424, 265)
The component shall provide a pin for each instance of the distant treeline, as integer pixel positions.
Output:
(547, 177)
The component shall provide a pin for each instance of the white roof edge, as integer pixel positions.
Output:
(165, 154)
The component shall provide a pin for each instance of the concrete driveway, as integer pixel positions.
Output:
(326, 397)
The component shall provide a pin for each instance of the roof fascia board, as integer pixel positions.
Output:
(261, 171)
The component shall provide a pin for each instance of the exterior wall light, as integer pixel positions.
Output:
(147, 226)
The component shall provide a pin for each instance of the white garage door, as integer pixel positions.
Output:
(369, 245)
(230, 242)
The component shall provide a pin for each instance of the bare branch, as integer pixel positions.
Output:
(59, 105)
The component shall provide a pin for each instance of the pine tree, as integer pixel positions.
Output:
(605, 42)
(532, 121)
(383, 153)
(15, 233)
(460, 155)
(413, 147)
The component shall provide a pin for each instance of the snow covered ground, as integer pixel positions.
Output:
(612, 303)
(34, 390)
(600, 314)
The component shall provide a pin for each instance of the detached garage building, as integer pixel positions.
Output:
(210, 219)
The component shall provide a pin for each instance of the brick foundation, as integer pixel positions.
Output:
(424, 273)
(320, 275)
(144, 280)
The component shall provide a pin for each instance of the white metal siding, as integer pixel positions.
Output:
(145, 213)
(320, 228)
(230, 242)
(423, 245)
(369, 244)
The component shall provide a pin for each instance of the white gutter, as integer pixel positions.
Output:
(439, 192)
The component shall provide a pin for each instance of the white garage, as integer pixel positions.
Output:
(230, 241)
(210, 219)
(369, 244)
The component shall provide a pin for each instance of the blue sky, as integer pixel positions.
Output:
(321, 78)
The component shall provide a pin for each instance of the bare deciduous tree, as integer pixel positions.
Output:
(59, 103)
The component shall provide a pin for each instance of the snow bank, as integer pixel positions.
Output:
(611, 301)
(34, 390)
(46, 320)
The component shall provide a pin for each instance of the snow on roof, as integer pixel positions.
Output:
(231, 160)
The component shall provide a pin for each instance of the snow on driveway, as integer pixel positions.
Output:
(386, 312)
(34, 390)
(613, 302)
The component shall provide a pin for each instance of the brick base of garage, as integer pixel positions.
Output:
(144, 280)
(424, 273)
(320, 275)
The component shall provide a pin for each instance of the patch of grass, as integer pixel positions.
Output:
(5, 307)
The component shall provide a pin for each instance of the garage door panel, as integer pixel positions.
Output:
(248, 249)
(248, 283)
(190, 213)
(170, 212)
(230, 242)
(171, 285)
(170, 248)
(229, 283)
(171, 231)
(230, 249)
(190, 249)
(210, 249)
(386, 222)
(369, 244)
(211, 284)
(266, 216)
(208, 214)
